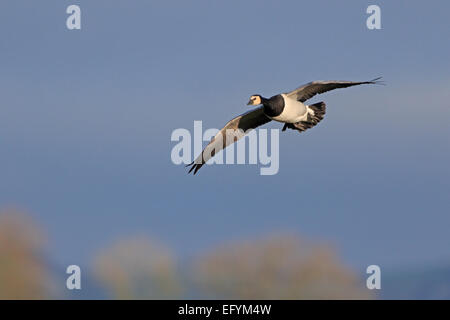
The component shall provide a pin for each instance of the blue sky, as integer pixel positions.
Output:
(86, 118)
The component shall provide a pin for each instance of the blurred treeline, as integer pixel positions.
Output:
(273, 267)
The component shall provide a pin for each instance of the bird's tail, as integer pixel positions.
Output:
(319, 109)
(316, 112)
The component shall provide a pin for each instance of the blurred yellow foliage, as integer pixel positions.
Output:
(138, 268)
(277, 267)
(23, 272)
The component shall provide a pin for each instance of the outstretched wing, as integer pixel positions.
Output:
(309, 90)
(238, 127)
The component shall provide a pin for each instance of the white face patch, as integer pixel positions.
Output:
(255, 100)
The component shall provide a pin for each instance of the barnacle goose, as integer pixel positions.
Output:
(288, 108)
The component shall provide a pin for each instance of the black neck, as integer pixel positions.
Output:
(274, 106)
(264, 100)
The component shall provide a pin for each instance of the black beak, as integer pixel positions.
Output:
(249, 102)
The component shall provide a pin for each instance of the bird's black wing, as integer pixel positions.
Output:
(309, 90)
(234, 130)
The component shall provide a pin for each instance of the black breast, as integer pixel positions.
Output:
(274, 106)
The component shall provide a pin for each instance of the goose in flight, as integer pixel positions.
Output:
(288, 108)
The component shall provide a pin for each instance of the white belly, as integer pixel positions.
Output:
(294, 111)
